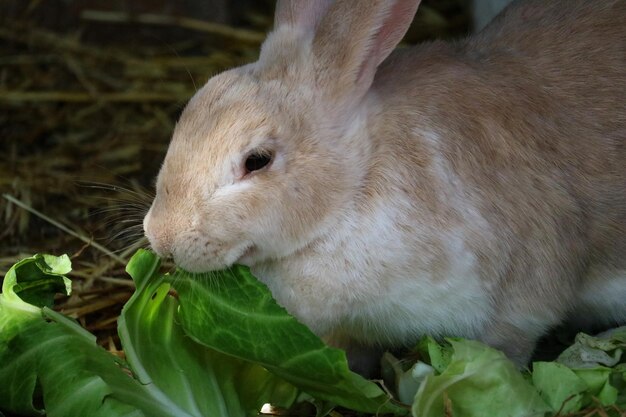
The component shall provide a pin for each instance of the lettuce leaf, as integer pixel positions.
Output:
(592, 369)
(466, 378)
(219, 345)
(48, 359)
(234, 313)
(50, 365)
(476, 380)
(201, 381)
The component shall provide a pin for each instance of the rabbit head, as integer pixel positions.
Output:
(267, 156)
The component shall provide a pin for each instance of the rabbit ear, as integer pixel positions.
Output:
(355, 37)
(303, 14)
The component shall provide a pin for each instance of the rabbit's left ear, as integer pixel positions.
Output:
(354, 37)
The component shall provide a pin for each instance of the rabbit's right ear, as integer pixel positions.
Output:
(354, 38)
(301, 14)
(335, 44)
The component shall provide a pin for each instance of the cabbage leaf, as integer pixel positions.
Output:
(219, 345)
(50, 365)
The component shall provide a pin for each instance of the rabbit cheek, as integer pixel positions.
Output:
(216, 240)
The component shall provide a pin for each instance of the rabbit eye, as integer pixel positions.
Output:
(258, 160)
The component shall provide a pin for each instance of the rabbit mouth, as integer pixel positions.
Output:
(248, 255)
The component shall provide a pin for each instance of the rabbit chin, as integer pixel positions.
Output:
(198, 261)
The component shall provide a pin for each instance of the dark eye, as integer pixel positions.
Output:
(258, 160)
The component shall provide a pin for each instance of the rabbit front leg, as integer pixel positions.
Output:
(516, 341)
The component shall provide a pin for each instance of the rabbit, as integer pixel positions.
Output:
(472, 189)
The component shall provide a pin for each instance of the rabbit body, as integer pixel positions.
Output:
(473, 189)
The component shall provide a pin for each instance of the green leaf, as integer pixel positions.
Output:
(591, 352)
(54, 366)
(35, 280)
(586, 371)
(221, 346)
(192, 379)
(478, 381)
(232, 312)
(559, 386)
(600, 363)
(436, 354)
(404, 382)
(47, 358)
(598, 381)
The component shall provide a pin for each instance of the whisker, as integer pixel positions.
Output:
(110, 212)
(142, 193)
(125, 233)
(133, 247)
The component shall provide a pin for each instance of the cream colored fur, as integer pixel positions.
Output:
(473, 189)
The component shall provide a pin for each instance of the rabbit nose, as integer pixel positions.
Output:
(160, 240)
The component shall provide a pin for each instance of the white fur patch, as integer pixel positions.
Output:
(228, 190)
(371, 283)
